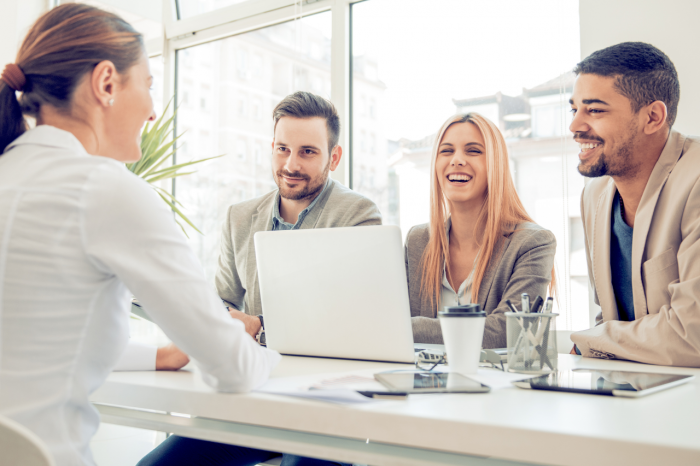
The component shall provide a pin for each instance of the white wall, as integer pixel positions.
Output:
(670, 25)
(15, 20)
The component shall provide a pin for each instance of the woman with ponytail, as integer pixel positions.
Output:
(480, 245)
(79, 233)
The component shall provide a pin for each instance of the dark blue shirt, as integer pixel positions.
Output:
(621, 262)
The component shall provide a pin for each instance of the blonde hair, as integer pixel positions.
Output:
(501, 212)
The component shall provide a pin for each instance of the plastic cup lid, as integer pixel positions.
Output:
(467, 310)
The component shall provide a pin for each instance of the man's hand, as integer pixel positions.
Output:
(573, 350)
(252, 323)
(170, 358)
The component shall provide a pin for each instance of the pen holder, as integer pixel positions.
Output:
(532, 343)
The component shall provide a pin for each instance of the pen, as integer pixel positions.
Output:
(510, 305)
(548, 305)
(385, 395)
(525, 303)
(545, 338)
(537, 306)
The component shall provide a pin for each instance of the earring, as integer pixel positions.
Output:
(111, 102)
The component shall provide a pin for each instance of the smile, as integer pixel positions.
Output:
(459, 178)
(588, 146)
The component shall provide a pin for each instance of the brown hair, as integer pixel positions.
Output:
(60, 49)
(307, 105)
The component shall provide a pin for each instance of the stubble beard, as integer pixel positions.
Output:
(312, 188)
(620, 164)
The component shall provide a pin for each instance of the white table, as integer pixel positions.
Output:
(505, 427)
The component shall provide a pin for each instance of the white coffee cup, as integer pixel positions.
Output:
(463, 333)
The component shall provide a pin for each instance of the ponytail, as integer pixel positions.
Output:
(12, 122)
(63, 46)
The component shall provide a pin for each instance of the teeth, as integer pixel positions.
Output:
(455, 177)
(585, 146)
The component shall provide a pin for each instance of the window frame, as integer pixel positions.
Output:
(244, 17)
(248, 16)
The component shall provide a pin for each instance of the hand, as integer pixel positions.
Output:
(170, 358)
(252, 323)
(573, 350)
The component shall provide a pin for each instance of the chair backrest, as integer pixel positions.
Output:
(19, 446)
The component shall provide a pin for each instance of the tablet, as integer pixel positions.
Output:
(610, 383)
(429, 382)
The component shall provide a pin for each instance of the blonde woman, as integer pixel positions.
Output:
(480, 246)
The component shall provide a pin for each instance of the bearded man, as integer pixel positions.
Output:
(304, 151)
(640, 210)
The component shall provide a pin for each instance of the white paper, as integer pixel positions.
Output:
(334, 388)
(342, 387)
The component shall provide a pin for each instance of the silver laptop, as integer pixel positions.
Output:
(336, 292)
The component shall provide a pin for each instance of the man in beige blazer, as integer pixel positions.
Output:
(304, 150)
(640, 210)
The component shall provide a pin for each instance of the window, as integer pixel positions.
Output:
(550, 119)
(256, 109)
(241, 150)
(258, 153)
(156, 65)
(189, 8)
(242, 64)
(241, 107)
(145, 17)
(238, 117)
(408, 79)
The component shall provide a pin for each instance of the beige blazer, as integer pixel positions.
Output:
(665, 264)
(522, 264)
(237, 276)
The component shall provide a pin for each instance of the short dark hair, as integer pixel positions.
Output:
(644, 74)
(307, 105)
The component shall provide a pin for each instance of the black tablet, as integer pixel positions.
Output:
(429, 382)
(610, 383)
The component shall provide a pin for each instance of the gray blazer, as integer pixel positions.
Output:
(522, 263)
(338, 206)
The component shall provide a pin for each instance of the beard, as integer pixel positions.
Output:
(619, 163)
(310, 190)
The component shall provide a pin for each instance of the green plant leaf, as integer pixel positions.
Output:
(167, 176)
(166, 193)
(182, 165)
(182, 216)
(158, 146)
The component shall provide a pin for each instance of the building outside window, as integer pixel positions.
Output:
(517, 74)
(239, 117)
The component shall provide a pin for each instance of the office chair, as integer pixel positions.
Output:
(20, 446)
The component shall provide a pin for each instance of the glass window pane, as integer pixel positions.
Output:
(189, 8)
(145, 17)
(508, 60)
(227, 90)
(156, 65)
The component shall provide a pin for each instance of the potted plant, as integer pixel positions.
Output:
(157, 147)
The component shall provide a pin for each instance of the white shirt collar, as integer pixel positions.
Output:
(49, 136)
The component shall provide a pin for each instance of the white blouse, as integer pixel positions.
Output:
(78, 234)
(448, 296)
